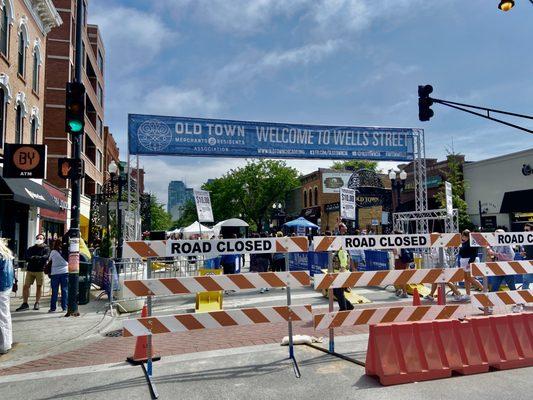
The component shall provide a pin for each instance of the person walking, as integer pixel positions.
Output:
(278, 259)
(527, 254)
(468, 255)
(502, 253)
(58, 276)
(402, 260)
(36, 258)
(342, 263)
(6, 283)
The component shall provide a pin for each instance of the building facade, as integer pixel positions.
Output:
(24, 26)
(61, 56)
(178, 195)
(500, 191)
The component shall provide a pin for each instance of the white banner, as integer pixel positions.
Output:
(449, 198)
(347, 203)
(333, 181)
(203, 206)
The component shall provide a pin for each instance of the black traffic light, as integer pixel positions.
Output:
(425, 102)
(75, 108)
(70, 168)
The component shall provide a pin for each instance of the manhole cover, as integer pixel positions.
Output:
(116, 333)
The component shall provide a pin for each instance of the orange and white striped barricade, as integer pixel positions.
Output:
(372, 316)
(503, 299)
(381, 242)
(500, 268)
(215, 319)
(195, 284)
(391, 277)
(478, 239)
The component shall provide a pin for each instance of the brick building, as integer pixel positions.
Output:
(24, 25)
(111, 152)
(61, 55)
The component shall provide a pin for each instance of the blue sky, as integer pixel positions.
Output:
(337, 62)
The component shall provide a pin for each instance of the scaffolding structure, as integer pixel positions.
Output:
(421, 194)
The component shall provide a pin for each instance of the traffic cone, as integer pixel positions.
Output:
(440, 299)
(416, 297)
(140, 354)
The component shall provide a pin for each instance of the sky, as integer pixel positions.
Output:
(336, 62)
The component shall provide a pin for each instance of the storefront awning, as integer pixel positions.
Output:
(518, 201)
(26, 191)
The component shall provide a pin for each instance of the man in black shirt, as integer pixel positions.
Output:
(527, 253)
(36, 259)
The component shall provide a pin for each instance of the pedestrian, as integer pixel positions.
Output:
(468, 255)
(502, 253)
(342, 263)
(261, 262)
(58, 276)
(36, 259)
(434, 262)
(402, 260)
(278, 259)
(6, 285)
(527, 254)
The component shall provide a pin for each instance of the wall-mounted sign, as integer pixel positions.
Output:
(333, 181)
(25, 161)
(527, 170)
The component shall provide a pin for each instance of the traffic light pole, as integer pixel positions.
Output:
(74, 232)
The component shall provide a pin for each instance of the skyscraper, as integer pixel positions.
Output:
(178, 195)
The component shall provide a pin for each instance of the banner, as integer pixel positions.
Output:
(333, 181)
(203, 206)
(449, 198)
(347, 203)
(159, 135)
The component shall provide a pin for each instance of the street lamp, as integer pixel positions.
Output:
(278, 213)
(397, 184)
(506, 5)
(116, 170)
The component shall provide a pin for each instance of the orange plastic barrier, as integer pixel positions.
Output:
(416, 351)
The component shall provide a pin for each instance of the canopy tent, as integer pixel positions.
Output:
(229, 223)
(177, 230)
(196, 229)
(300, 222)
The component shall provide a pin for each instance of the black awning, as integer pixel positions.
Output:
(518, 201)
(26, 191)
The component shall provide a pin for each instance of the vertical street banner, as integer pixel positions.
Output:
(162, 135)
(449, 198)
(347, 203)
(203, 206)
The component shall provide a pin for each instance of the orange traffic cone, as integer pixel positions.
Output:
(416, 297)
(141, 346)
(440, 299)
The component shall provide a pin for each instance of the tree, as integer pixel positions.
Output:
(188, 215)
(160, 219)
(456, 178)
(249, 192)
(356, 165)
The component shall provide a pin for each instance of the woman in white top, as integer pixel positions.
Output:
(58, 276)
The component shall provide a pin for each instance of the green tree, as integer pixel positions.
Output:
(160, 219)
(188, 215)
(356, 165)
(459, 185)
(250, 191)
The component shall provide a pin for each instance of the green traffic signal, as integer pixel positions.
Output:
(75, 126)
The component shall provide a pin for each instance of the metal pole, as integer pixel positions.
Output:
(137, 204)
(291, 344)
(119, 216)
(149, 309)
(330, 308)
(442, 285)
(74, 231)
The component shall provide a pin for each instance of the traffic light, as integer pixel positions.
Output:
(75, 107)
(70, 168)
(425, 102)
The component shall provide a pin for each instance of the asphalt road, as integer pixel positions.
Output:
(260, 372)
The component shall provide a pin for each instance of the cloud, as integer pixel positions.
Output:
(171, 100)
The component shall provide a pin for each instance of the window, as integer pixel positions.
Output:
(19, 126)
(316, 196)
(99, 126)
(100, 61)
(100, 94)
(83, 54)
(35, 86)
(22, 54)
(2, 115)
(305, 198)
(4, 30)
(310, 197)
(33, 138)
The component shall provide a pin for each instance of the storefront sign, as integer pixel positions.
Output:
(25, 161)
(527, 170)
(347, 197)
(203, 206)
(158, 135)
(333, 181)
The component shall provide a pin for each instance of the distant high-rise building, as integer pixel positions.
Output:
(178, 195)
